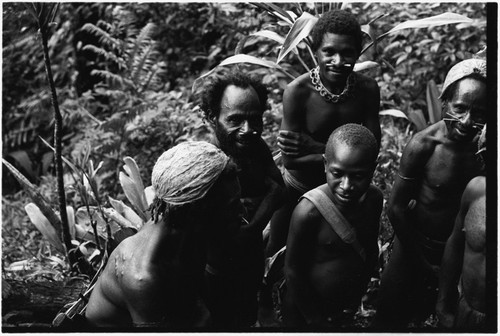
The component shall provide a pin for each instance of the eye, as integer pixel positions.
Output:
(336, 174)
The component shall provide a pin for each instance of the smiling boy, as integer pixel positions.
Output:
(318, 102)
(332, 245)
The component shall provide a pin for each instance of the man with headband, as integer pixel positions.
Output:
(436, 166)
(464, 260)
(154, 278)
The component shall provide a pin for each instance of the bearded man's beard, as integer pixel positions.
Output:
(227, 141)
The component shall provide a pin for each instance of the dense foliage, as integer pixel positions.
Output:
(124, 73)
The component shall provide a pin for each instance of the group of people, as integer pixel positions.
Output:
(200, 261)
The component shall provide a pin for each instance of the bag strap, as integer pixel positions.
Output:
(334, 217)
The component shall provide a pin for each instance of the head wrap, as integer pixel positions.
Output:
(185, 173)
(462, 70)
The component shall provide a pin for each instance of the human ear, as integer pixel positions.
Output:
(324, 161)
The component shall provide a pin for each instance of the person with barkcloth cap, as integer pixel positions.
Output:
(435, 168)
(153, 279)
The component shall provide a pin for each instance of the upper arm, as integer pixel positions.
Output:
(292, 106)
(145, 297)
(372, 99)
(300, 242)
(413, 161)
(272, 171)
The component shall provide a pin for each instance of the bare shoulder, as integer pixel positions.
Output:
(427, 139)
(475, 188)
(305, 212)
(134, 271)
(298, 88)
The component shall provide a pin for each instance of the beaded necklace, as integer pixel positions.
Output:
(325, 93)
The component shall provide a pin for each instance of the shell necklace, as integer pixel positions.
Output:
(325, 93)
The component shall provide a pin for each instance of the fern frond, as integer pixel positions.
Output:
(108, 56)
(138, 66)
(144, 38)
(114, 80)
(103, 36)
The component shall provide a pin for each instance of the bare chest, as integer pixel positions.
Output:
(322, 117)
(448, 171)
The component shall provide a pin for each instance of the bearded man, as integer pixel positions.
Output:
(234, 105)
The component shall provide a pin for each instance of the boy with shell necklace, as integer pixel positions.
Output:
(318, 102)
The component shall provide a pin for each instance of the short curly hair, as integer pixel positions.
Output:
(338, 22)
(212, 94)
(353, 135)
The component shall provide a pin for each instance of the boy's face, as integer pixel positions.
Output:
(336, 55)
(349, 172)
(239, 124)
(467, 109)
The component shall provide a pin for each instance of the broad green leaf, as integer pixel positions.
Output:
(43, 225)
(150, 195)
(362, 66)
(436, 20)
(22, 158)
(71, 220)
(433, 103)
(133, 195)
(119, 219)
(418, 119)
(127, 212)
(270, 35)
(240, 58)
(274, 10)
(300, 30)
(133, 171)
(393, 113)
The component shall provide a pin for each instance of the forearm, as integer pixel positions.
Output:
(404, 228)
(449, 275)
(269, 204)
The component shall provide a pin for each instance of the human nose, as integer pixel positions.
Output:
(336, 59)
(346, 184)
(246, 128)
(466, 119)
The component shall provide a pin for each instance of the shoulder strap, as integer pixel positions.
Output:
(335, 218)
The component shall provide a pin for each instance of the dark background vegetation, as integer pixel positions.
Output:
(191, 38)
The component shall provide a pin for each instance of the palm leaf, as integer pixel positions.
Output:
(362, 66)
(436, 20)
(241, 58)
(393, 113)
(270, 35)
(300, 30)
(275, 11)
